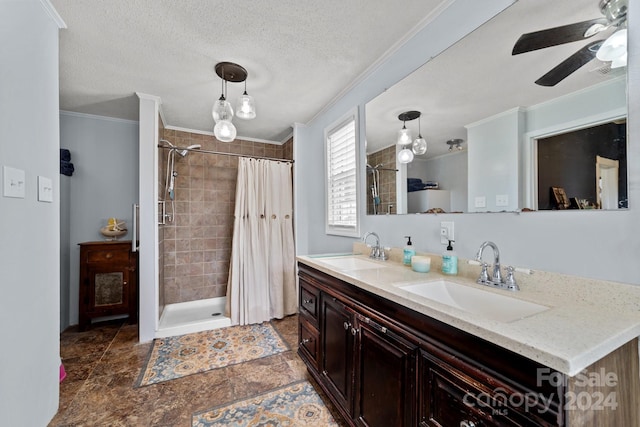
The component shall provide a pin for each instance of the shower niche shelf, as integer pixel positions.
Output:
(108, 281)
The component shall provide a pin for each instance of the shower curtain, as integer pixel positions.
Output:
(262, 281)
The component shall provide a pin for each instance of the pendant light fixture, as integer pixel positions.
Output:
(419, 146)
(246, 108)
(222, 112)
(405, 139)
(455, 143)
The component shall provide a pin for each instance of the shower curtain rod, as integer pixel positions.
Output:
(197, 150)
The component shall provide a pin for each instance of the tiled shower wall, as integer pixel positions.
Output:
(197, 243)
(387, 185)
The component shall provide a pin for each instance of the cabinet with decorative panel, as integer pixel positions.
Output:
(108, 281)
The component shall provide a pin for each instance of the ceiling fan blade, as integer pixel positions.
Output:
(569, 65)
(554, 36)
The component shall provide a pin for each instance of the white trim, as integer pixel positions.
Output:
(149, 97)
(530, 148)
(508, 112)
(96, 117)
(148, 317)
(563, 98)
(53, 13)
(243, 138)
(161, 113)
(352, 114)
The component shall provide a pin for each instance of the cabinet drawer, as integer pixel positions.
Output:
(309, 302)
(107, 255)
(448, 398)
(308, 342)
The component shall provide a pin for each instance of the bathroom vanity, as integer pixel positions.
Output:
(387, 357)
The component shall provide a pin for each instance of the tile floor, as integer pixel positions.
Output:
(103, 364)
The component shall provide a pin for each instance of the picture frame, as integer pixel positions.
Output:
(560, 198)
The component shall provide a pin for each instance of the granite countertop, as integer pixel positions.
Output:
(586, 320)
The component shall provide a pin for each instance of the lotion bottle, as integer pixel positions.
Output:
(450, 260)
(408, 252)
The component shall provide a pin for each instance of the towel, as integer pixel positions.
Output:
(65, 155)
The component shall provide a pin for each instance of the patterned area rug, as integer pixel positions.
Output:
(183, 355)
(297, 404)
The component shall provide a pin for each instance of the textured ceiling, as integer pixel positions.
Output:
(299, 55)
(478, 77)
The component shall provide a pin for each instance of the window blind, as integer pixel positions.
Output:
(342, 198)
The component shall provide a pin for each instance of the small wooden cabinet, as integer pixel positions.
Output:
(108, 281)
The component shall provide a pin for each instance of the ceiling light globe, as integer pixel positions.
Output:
(246, 107)
(614, 47)
(405, 156)
(404, 136)
(419, 146)
(222, 110)
(225, 131)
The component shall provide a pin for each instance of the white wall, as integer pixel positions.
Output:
(593, 244)
(493, 162)
(29, 229)
(104, 152)
(449, 171)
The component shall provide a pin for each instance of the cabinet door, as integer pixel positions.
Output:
(385, 377)
(337, 347)
(107, 290)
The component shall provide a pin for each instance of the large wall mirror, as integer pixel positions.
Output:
(497, 140)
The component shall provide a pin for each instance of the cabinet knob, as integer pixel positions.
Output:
(307, 301)
(466, 423)
(124, 283)
(108, 255)
(304, 341)
(354, 331)
(346, 325)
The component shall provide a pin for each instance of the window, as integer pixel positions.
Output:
(342, 178)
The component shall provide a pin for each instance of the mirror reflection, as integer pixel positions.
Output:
(540, 129)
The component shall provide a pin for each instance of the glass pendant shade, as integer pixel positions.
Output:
(225, 131)
(405, 156)
(614, 48)
(246, 108)
(222, 110)
(419, 146)
(404, 136)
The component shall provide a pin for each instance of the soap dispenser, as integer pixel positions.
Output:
(408, 251)
(450, 260)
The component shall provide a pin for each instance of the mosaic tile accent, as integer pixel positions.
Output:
(179, 356)
(297, 404)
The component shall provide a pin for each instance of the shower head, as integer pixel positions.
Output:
(183, 153)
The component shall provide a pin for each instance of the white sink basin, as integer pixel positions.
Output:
(476, 301)
(350, 263)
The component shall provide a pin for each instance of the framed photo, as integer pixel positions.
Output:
(560, 197)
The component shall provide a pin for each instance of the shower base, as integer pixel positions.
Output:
(193, 316)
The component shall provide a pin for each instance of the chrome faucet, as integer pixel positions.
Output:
(377, 251)
(496, 276)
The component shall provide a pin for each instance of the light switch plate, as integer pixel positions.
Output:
(481, 202)
(14, 182)
(446, 232)
(45, 189)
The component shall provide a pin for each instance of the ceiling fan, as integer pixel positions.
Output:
(613, 49)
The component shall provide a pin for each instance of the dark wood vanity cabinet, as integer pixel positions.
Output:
(384, 365)
(108, 281)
